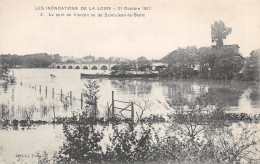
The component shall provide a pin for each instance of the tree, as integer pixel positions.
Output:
(251, 70)
(90, 97)
(89, 58)
(181, 62)
(219, 62)
(143, 63)
(81, 141)
(219, 32)
(228, 63)
(101, 59)
(56, 58)
(206, 60)
(123, 68)
(70, 62)
(143, 101)
(4, 72)
(39, 60)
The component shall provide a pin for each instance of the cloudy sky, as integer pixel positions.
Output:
(169, 25)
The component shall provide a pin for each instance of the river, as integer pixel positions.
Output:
(28, 98)
(29, 93)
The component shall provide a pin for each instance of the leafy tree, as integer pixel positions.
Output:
(81, 143)
(70, 62)
(89, 58)
(143, 64)
(219, 32)
(219, 62)
(181, 62)
(101, 59)
(39, 60)
(56, 58)
(91, 97)
(206, 60)
(123, 68)
(228, 63)
(4, 71)
(10, 60)
(252, 67)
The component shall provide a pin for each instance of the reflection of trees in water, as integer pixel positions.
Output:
(225, 96)
(184, 91)
(44, 110)
(5, 87)
(25, 112)
(133, 86)
(175, 89)
(229, 93)
(5, 112)
(224, 93)
(255, 94)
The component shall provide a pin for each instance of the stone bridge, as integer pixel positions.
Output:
(91, 66)
(100, 66)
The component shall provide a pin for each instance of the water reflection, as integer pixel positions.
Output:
(28, 98)
(130, 86)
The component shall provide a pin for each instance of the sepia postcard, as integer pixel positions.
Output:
(129, 81)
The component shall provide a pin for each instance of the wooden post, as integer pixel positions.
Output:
(52, 93)
(35, 87)
(81, 101)
(108, 111)
(46, 91)
(40, 89)
(113, 109)
(132, 111)
(71, 98)
(61, 95)
(54, 114)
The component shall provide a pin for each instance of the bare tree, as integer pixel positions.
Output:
(144, 103)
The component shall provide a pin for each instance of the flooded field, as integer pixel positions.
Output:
(29, 93)
(39, 96)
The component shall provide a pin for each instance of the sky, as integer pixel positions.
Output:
(169, 25)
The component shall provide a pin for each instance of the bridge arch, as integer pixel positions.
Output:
(70, 67)
(85, 67)
(58, 67)
(104, 67)
(77, 67)
(94, 68)
(64, 67)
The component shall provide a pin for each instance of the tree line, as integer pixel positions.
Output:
(38, 60)
(216, 62)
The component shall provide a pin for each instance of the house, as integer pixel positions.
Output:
(234, 48)
(157, 65)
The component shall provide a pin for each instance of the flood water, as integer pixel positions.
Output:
(29, 93)
(28, 98)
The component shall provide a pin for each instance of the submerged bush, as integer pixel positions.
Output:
(154, 142)
(189, 137)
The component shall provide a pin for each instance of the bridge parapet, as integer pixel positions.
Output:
(90, 66)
